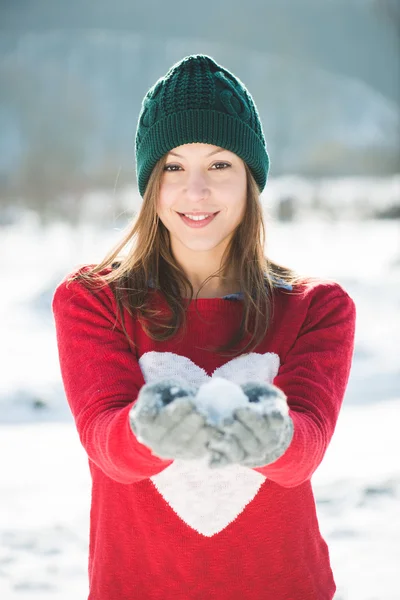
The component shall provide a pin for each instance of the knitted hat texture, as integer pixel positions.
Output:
(198, 100)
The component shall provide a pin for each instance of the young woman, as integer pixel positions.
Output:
(205, 380)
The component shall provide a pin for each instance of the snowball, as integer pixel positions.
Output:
(218, 398)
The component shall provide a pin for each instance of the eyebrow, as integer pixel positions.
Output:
(211, 153)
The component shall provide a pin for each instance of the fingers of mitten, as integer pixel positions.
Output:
(218, 460)
(274, 448)
(249, 442)
(182, 446)
(269, 400)
(196, 447)
(152, 430)
(255, 422)
(229, 446)
(168, 418)
(276, 416)
(182, 432)
(151, 399)
(144, 410)
(287, 433)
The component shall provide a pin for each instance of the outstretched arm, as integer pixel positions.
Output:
(102, 380)
(285, 430)
(314, 377)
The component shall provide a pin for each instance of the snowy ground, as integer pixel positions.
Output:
(44, 484)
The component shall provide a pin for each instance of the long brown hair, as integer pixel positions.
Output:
(149, 257)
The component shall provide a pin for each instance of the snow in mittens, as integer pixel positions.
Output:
(218, 398)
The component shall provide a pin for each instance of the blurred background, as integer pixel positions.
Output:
(326, 80)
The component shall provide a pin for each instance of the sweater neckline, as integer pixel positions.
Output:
(234, 299)
(230, 304)
(206, 304)
(217, 303)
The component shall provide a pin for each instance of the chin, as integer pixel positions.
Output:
(201, 245)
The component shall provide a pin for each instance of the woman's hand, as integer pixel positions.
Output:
(256, 435)
(165, 419)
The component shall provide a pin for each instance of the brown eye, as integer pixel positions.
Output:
(172, 167)
(221, 166)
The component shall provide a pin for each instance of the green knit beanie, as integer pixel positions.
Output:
(198, 100)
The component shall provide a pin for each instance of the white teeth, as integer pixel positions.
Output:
(197, 218)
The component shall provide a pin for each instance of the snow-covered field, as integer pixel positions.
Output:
(44, 483)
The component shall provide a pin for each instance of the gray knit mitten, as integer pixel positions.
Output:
(257, 434)
(165, 419)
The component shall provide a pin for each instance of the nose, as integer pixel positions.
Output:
(196, 187)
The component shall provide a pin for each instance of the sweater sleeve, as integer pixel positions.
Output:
(102, 379)
(314, 377)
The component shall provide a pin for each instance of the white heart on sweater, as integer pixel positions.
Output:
(208, 499)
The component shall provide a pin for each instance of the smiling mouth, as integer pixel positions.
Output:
(198, 223)
(199, 213)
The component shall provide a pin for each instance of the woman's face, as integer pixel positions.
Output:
(202, 179)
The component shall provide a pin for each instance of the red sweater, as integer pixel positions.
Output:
(162, 529)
